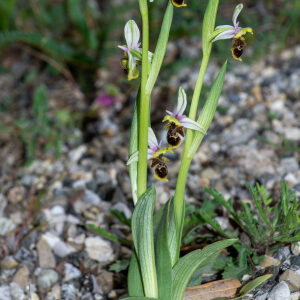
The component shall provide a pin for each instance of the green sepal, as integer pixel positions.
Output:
(142, 233)
(135, 284)
(162, 255)
(187, 265)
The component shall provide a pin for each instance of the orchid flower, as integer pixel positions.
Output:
(156, 155)
(177, 120)
(179, 3)
(132, 51)
(132, 36)
(234, 32)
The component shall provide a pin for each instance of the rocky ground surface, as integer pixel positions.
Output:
(46, 249)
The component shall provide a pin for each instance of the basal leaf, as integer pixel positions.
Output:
(162, 256)
(142, 233)
(139, 298)
(135, 283)
(187, 265)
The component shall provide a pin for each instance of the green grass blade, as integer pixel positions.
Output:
(187, 265)
(107, 235)
(253, 284)
(142, 233)
(284, 198)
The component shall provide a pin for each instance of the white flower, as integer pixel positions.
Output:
(234, 32)
(132, 36)
(178, 118)
(156, 155)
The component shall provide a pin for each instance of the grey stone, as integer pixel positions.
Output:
(91, 198)
(70, 272)
(45, 255)
(3, 203)
(255, 162)
(289, 164)
(282, 254)
(269, 261)
(5, 292)
(21, 277)
(281, 291)
(295, 261)
(16, 194)
(99, 249)
(120, 206)
(16, 292)
(6, 226)
(69, 292)
(292, 279)
(47, 278)
(102, 177)
(295, 296)
(262, 297)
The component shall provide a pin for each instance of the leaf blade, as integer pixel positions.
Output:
(187, 265)
(142, 233)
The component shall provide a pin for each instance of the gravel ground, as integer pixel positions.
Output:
(46, 250)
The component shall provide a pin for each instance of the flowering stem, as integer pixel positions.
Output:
(186, 159)
(195, 99)
(144, 104)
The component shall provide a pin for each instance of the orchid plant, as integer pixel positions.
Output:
(156, 271)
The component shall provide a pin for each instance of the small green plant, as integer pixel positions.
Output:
(264, 224)
(44, 131)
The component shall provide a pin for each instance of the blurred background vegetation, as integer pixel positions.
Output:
(77, 40)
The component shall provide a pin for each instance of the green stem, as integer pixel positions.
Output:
(179, 203)
(144, 104)
(196, 97)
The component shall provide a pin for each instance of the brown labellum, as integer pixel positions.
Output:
(238, 47)
(161, 169)
(174, 135)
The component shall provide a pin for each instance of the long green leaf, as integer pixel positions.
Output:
(253, 284)
(135, 284)
(139, 298)
(160, 49)
(142, 233)
(162, 256)
(173, 238)
(284, 198)
(208, 25)
(187, 265)
(107, 235)
(208, 110)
